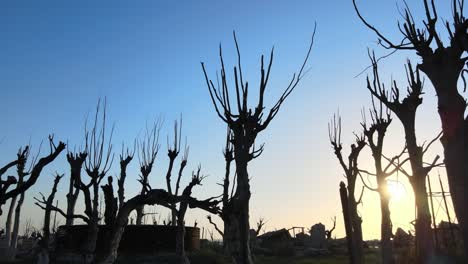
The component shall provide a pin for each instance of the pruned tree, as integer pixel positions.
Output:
(181, 211)
(75, 160)
(375, 133)
(22, 173)
(351, 173)
(125, 159)
(22, 185)
(443, 63)
(22, 157)
(148, 150)
(245, 123)
(46, 205)
(172, 152)
(405, 109)
(36, 170)
(97, 164)
(260, 224)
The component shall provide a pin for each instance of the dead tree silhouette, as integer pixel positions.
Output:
(443, 64)
(260, 224)
(97, 165)
(375, 135)
(329, 232)
(183, 206)
(22, 172)
(148, 149)
(46, 205)
(172, 153)
(125, 158)
(147, 152)
(112, 203)
(246, 124)
(22, 155)
(75, 160)
(351, 172)
(36, 170)
(405, 109)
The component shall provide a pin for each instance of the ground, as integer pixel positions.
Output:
(209, 256)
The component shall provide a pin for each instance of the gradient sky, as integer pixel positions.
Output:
(59, 57)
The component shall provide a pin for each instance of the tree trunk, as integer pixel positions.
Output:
(173, 217)
(139, 215)
(70, 211)
(347, 221)
(14, 235)
(8, 224)
(444, 71)
(386, 225)
(227, 232)
(180, 236)
(93, 227)
(43, 257)
(456, 155)
(424, 238)
(356, 222)
(72, 197)
(240, 250)
(90, 246)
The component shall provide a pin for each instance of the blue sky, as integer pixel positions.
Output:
(58, 58)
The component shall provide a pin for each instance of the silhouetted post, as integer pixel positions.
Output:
(448, 213)
(347, 222)
(436, 239)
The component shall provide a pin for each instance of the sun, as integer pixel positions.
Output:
(396, 190)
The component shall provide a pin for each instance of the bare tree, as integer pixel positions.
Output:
(22, 157)
(443, 63)
(375, 134)
(125, 159)
(245, 124)
(75, 160)
(22, 173)
(405, 109)
(36, 170)
(172, 153)
(97, 165)
(329, 232)
(148, 150)
(46, 205)
(23, 185)
(260, 224)
(351, 172)
(183, 206)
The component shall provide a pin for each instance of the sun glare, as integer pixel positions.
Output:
(397, 190)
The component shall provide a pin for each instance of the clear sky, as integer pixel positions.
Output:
(59, 57)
